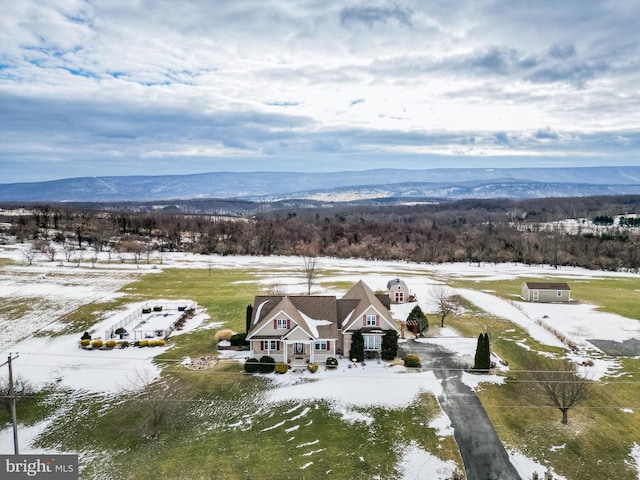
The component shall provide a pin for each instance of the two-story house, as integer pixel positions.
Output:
(311, 328)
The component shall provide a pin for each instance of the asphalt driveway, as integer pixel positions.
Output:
(482, 451)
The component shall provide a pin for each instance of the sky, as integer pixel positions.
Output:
(129, 87)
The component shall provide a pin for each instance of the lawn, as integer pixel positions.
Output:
(214, 423)
(522, 421)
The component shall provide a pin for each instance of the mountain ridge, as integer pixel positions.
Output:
(446, 183)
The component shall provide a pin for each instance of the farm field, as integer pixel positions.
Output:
(140, 413)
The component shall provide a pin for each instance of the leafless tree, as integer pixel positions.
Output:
(445, 300)
(23, 390)
(310, 271)
(68, 249)
(29, 254)
(151, 403)
(558, 382)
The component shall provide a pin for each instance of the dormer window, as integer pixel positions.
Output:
(282, 324)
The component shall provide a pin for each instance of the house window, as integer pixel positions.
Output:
(270, 345)
(371, 321)
(282, 324)
(323, 345)
(559, 293)
(371, 342)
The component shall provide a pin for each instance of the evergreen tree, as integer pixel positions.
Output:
(248, 317)
(483, 353)
(357, 347)
(390, 345)
(418, 315)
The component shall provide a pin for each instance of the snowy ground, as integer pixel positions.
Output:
(50, 290)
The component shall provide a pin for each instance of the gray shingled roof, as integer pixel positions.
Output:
(547, 286)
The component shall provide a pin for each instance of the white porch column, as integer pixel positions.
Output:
(312, 352)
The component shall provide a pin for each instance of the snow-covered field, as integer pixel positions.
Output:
(46, 291)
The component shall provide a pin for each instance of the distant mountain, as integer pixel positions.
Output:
(450, 183)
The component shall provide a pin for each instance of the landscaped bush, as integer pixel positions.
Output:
(153, 343)
(412, 360)
(124, 344)
(225, 334)
(110, 343)
(267, 364)
(282, 368)
(85, 342)
(143, 343)
(161, 342)
(312, 367)
(332, 362)
(252, 365)
(96, 344)
(238, 340)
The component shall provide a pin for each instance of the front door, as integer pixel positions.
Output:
(298, 348)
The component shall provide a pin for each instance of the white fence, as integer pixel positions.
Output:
(151, 307)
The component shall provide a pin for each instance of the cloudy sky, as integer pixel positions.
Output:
(124, 87)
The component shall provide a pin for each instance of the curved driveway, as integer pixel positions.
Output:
(482, 451)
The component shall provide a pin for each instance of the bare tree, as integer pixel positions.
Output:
(152, 404)
(23, 390)
(29, 254)
(559, 382)
(310, 271)
(68, 249)
(445, 300)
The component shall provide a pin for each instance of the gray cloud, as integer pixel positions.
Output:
(189, 86)
(372, 15)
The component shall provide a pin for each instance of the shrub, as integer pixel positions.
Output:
(412, 360)
(312, 367)
(238, 340)
(332, 362)
(357, 347)
(96, 344)
(153, 343)
(85, 342)
(282, 368)
(85, 336)
(389, 345)
(252, 365)
(124, 344)
(267, 364)
(143, 343)
(110, 343)
(160, 342)
(225, 334)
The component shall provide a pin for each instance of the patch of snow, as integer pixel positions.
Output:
(418, 464)
(442, 425)
(472, 380)
(635, 454)
(527, 467)
(314, 324)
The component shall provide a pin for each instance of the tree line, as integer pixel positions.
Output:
(463, 231)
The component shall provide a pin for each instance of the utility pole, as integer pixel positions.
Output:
(12, 398)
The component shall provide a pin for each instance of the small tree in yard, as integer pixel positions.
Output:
(420, 318)
(558, 382)
(445, 301)
(390, 345)
(248, 315)
(483, 353)
(357, 347)
(310, 270)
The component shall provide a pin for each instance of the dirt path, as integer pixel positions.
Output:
(482, 451)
